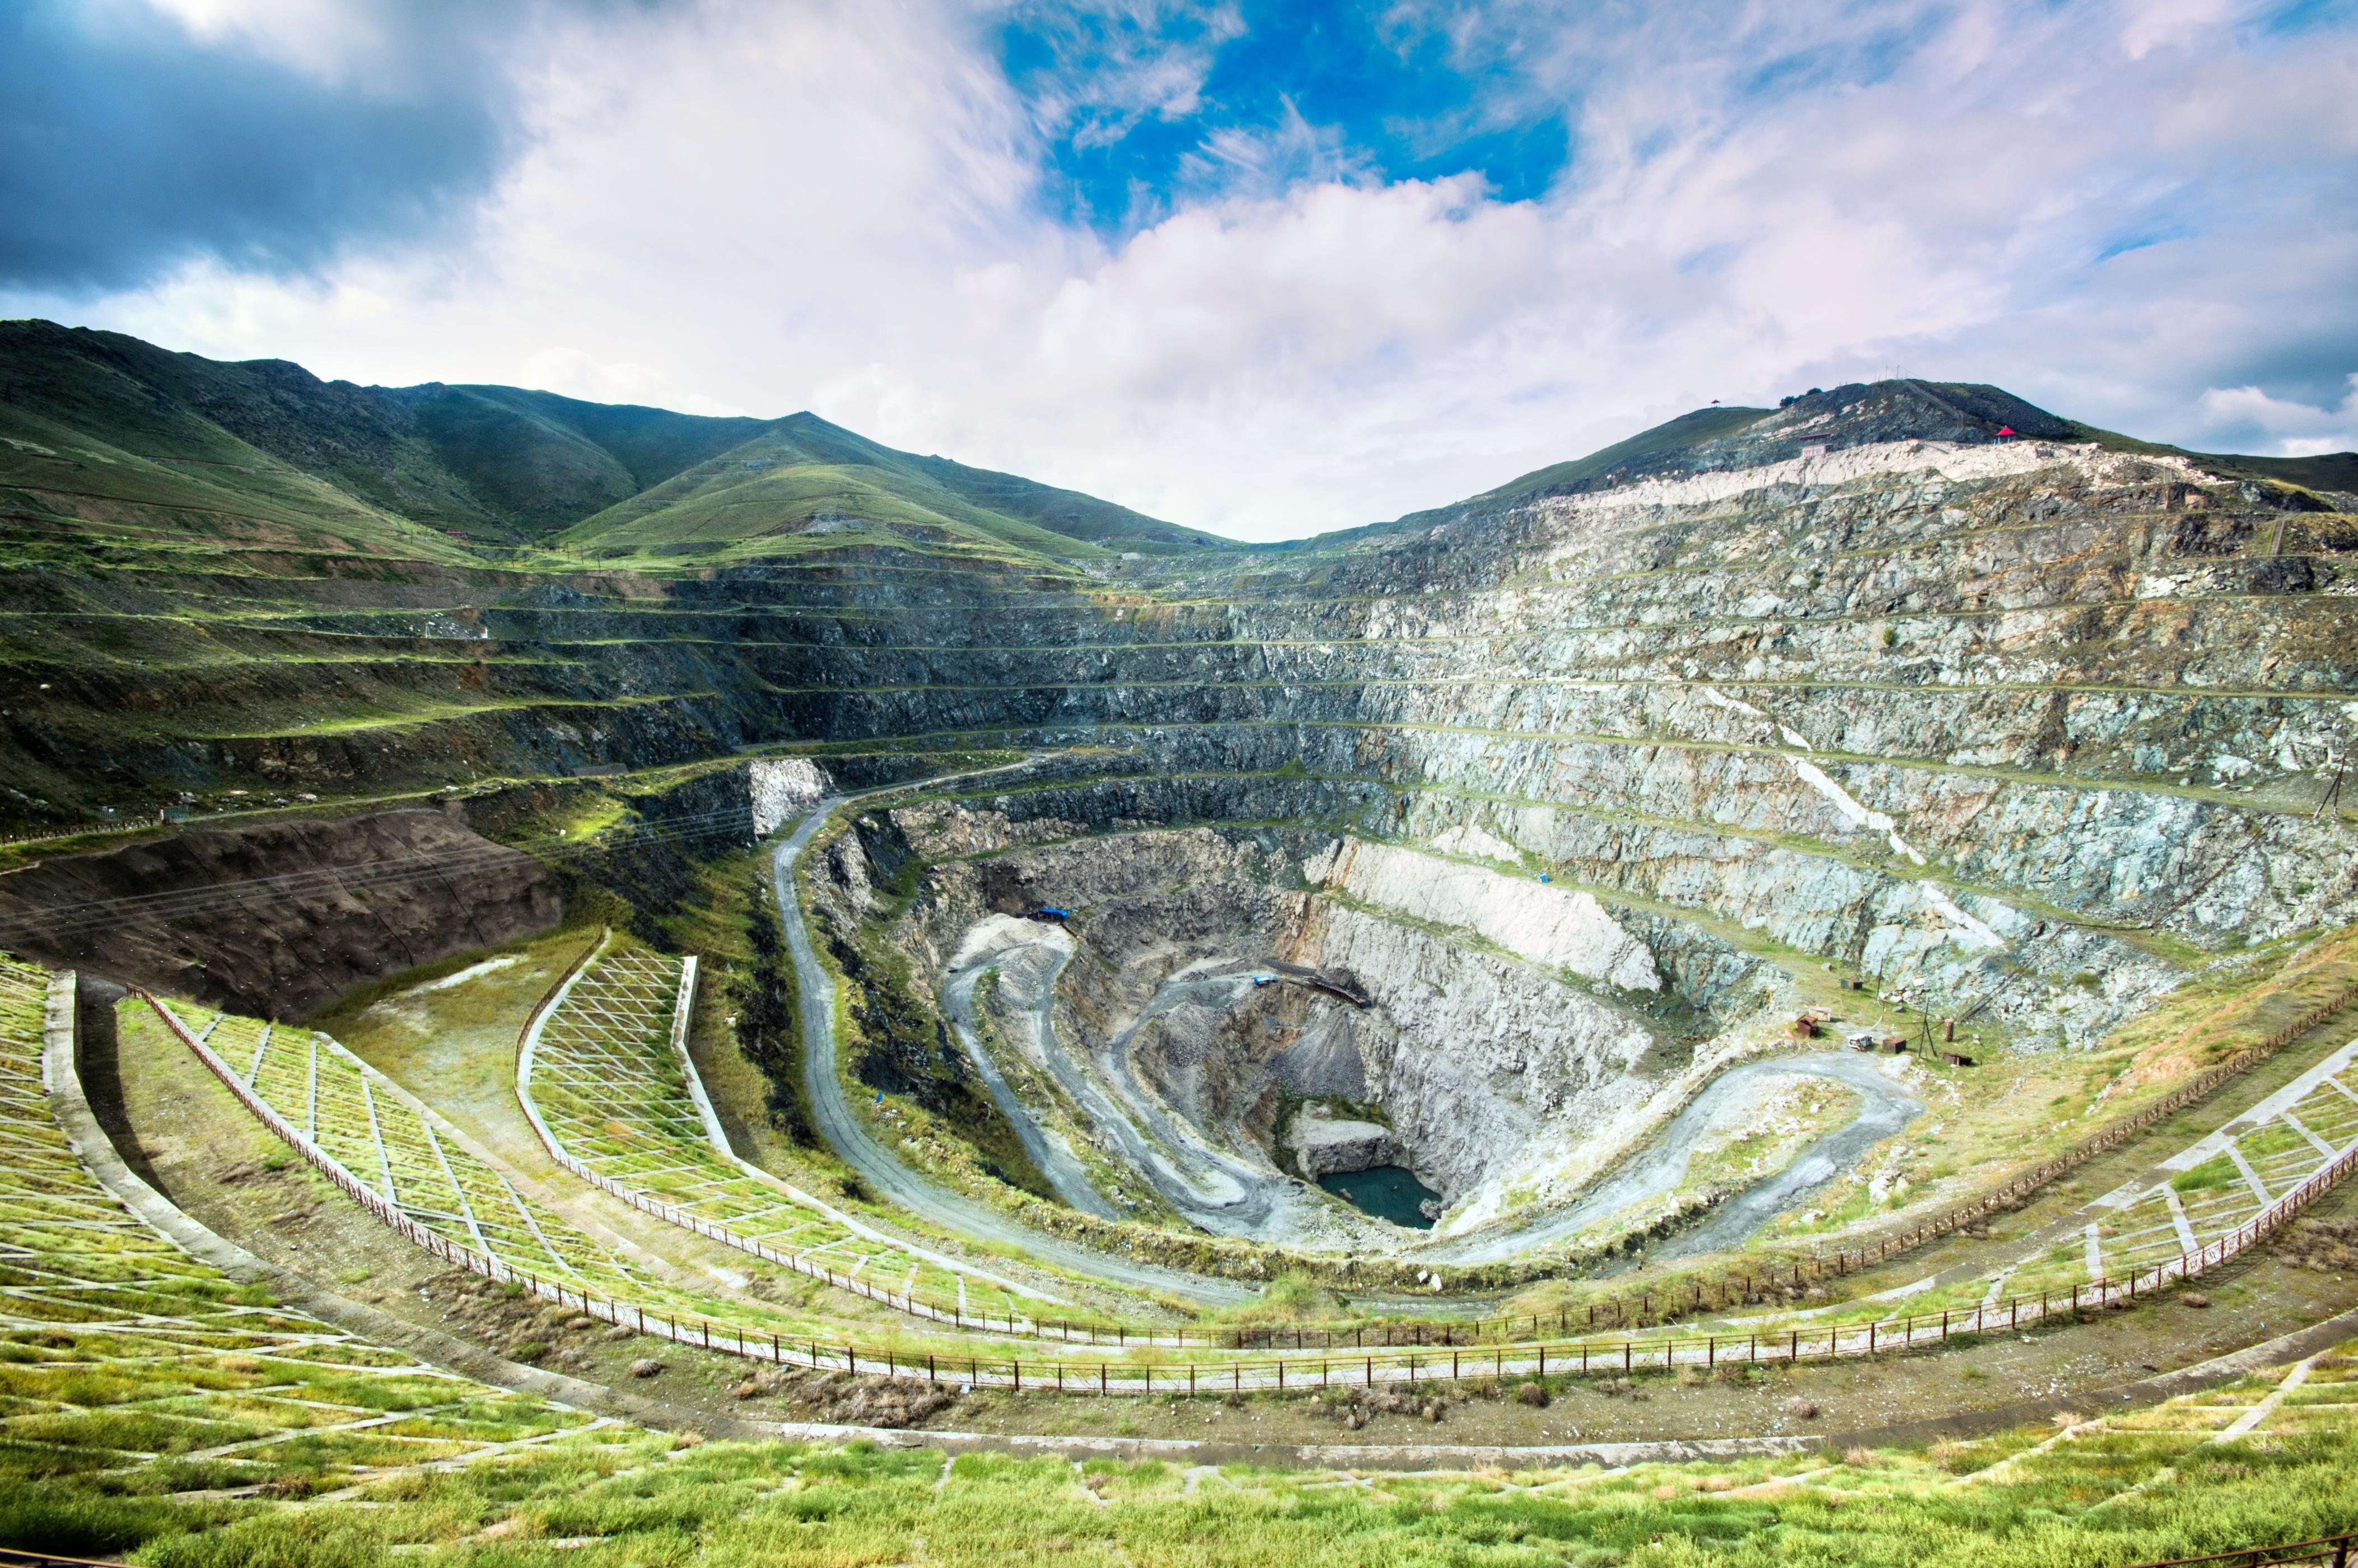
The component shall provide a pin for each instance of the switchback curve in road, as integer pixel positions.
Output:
(1885, 1109)
(883, 1170)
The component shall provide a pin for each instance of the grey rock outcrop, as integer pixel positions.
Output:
(1325, 1146)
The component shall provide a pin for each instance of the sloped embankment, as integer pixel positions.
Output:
(279, 919)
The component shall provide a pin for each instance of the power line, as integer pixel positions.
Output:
(183, 904)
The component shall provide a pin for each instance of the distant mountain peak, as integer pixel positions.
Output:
(506, 465)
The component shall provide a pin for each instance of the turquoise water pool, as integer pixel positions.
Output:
(1388, 1192)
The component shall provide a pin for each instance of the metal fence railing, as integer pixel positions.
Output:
(686, 1219)
(1147, 1371)
(2325, 1552)
(2114, 1134)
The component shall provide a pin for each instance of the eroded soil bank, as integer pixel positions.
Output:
(279, 919)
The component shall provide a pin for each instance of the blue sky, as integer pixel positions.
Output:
(1143, 109)
(1261, 268)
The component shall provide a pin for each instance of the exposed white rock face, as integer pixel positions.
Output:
(1561, 928)
(938, 828)
(841, 893)
(1324, 1146)
(1491, 1071)
(783, 789)
(1947, 460)
(1494, 1069)
(1905, 929)
(1966, 718)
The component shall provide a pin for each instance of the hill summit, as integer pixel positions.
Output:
(507, 466)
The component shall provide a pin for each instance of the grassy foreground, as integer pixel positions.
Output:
(2109, 1492)
(152, 1410)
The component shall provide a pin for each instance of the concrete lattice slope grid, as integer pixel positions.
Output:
(416, 1172)
(2226, 1180)
(610, 1090)
(354, 1115)
(125, 1356)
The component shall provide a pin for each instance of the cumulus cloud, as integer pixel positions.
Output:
(2246, 418)
(2141, 215)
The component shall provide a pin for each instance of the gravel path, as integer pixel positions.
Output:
(1883, 1111)
(1058, 1163)
(883, 1170)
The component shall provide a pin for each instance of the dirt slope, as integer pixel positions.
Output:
(279, 919)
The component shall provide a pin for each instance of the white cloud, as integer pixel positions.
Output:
(576, 372)
(322, 38)
(837, 206)
(2149, 25)
(2248, 420)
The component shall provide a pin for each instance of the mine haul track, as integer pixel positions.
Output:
(1645, 1171)
(883, 1171)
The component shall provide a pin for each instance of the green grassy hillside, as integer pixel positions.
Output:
(92, 451)
(538, 463)
(263, 435)
(108, 418)
(801, 481)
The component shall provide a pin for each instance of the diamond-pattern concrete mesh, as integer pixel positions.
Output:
(610, 1086)
(122, 1353)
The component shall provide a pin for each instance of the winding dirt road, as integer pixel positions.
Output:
(883, 1170)
(1659, 1167)
(1215, 1190)
(1210, 1185)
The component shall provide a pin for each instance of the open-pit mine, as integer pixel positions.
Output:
(1812, 930)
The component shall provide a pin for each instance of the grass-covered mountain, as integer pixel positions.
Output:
(102, 415)
(799, 481)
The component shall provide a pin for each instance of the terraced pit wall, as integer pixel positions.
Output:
(2033, 732)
